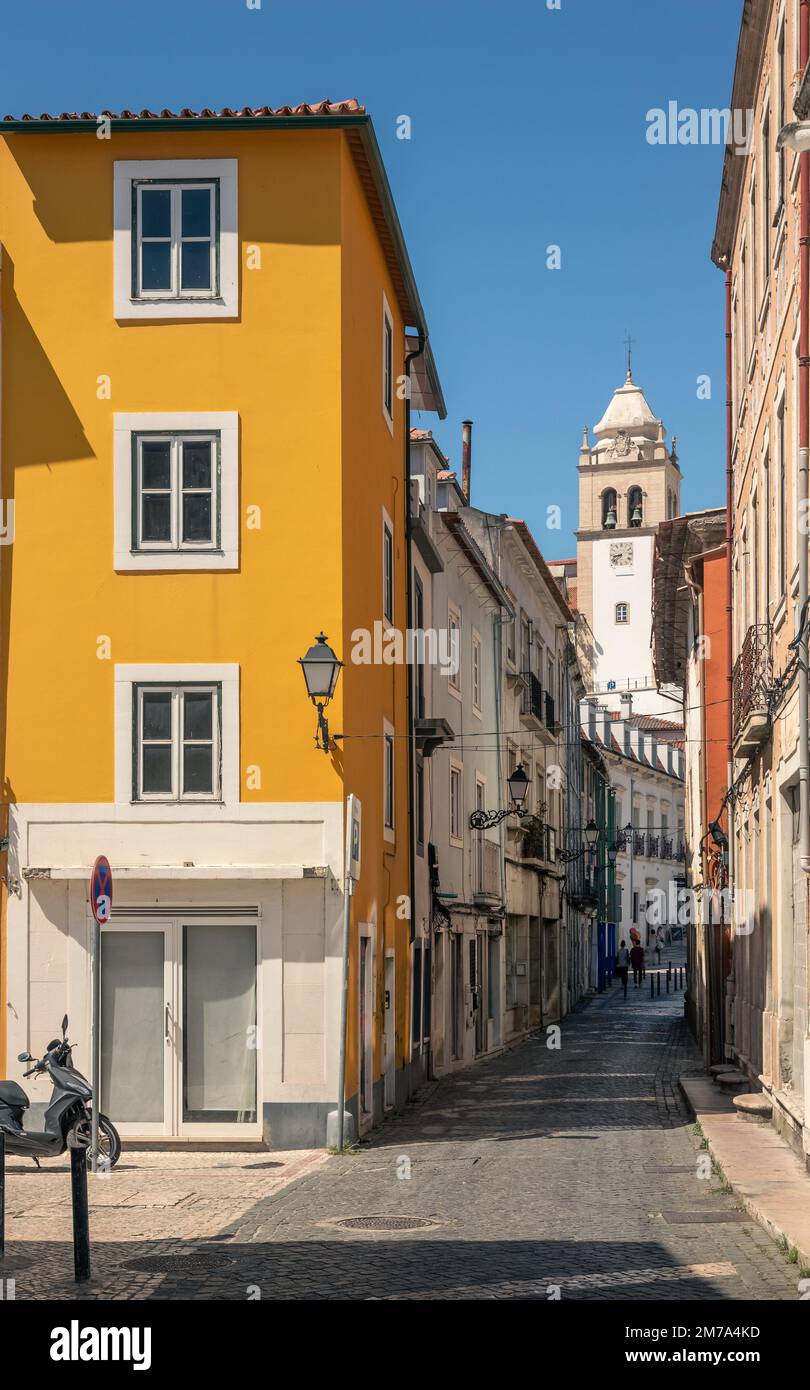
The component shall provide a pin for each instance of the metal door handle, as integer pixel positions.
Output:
(166, 1025)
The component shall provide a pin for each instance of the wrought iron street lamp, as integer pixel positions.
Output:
(591, 835)
(321, 669)
(518, 785)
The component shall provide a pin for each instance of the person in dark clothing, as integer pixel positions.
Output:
(623, 965)
(637, 962)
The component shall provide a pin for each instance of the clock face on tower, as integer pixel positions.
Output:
(621, 554)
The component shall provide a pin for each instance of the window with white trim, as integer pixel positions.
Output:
(388, 781)
(176, 489)
(176, 742)
(175, 241)
(456, 827)
(388, 569)
(454, 649)
(175, 238)
(622, 613)
(176, 480)
(387, 364)
(476, 672)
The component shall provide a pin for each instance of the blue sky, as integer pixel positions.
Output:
(528, 129)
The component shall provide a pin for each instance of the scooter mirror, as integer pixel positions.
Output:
(64, 1025)
(24, 1057)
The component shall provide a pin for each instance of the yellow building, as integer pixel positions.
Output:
(207, 324)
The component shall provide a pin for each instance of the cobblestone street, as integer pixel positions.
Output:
(542, 1170)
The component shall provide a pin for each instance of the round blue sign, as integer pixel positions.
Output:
(101, 889)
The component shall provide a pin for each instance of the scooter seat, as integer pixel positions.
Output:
(13, 1095)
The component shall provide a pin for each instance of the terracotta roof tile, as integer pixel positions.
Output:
(350, 107)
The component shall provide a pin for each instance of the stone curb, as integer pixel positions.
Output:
(706, 1103)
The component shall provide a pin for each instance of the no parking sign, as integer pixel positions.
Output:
(101, 890)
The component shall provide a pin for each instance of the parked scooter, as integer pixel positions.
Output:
(67, 1117)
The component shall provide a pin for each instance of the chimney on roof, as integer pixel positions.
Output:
(466, 458)
(627, 704)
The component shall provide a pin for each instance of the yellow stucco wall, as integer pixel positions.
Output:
(373, 478)
(301, 366)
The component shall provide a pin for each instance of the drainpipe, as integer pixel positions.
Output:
(719, 949)
(729, 589)
(409, 357)
(804, 443)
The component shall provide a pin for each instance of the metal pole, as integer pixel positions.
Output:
(95, 1043)
(344, 1002)
(632, 856)
(81, 1215)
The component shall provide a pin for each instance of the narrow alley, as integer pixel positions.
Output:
(544, 1173)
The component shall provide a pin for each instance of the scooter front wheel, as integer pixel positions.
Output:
(109, 1140)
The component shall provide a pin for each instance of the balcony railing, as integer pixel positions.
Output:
(532, 696)
(638, 842)
(652, 846)
(666, 849)
(751, 678)
(488, 869)
(549, 712)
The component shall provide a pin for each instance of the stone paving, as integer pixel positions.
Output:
(541, 1173)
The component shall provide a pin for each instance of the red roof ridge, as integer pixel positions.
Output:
(350, 106)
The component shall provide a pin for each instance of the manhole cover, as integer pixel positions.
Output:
(385, 1223)
(699, 1218)
(178, 1264)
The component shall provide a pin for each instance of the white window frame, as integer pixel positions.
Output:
(389, 747)
(176, 742)
(781, 494)
(626, 617)
(176, 491)
(128, 678)
(224, 302)
(476, 673)
(387, 323)
(388, 533)
(223, 426)
(176, 239)
(456, 827)
(480, 805)
(454, 677)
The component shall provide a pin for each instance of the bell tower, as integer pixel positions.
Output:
(629, 482)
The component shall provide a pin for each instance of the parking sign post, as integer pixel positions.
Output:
(351, 875)
(101, 907)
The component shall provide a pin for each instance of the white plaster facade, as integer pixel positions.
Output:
(274, 868)
(459, 871)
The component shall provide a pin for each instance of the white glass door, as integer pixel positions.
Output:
(218, 1055)
(137, 1028)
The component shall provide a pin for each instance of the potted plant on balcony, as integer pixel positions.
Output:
(534, 841)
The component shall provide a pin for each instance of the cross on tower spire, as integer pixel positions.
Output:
(628, 343)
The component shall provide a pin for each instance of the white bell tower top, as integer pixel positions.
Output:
(629, 481)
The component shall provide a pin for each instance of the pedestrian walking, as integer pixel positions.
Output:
(658, 945)
(623, 965)
(637, 962)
